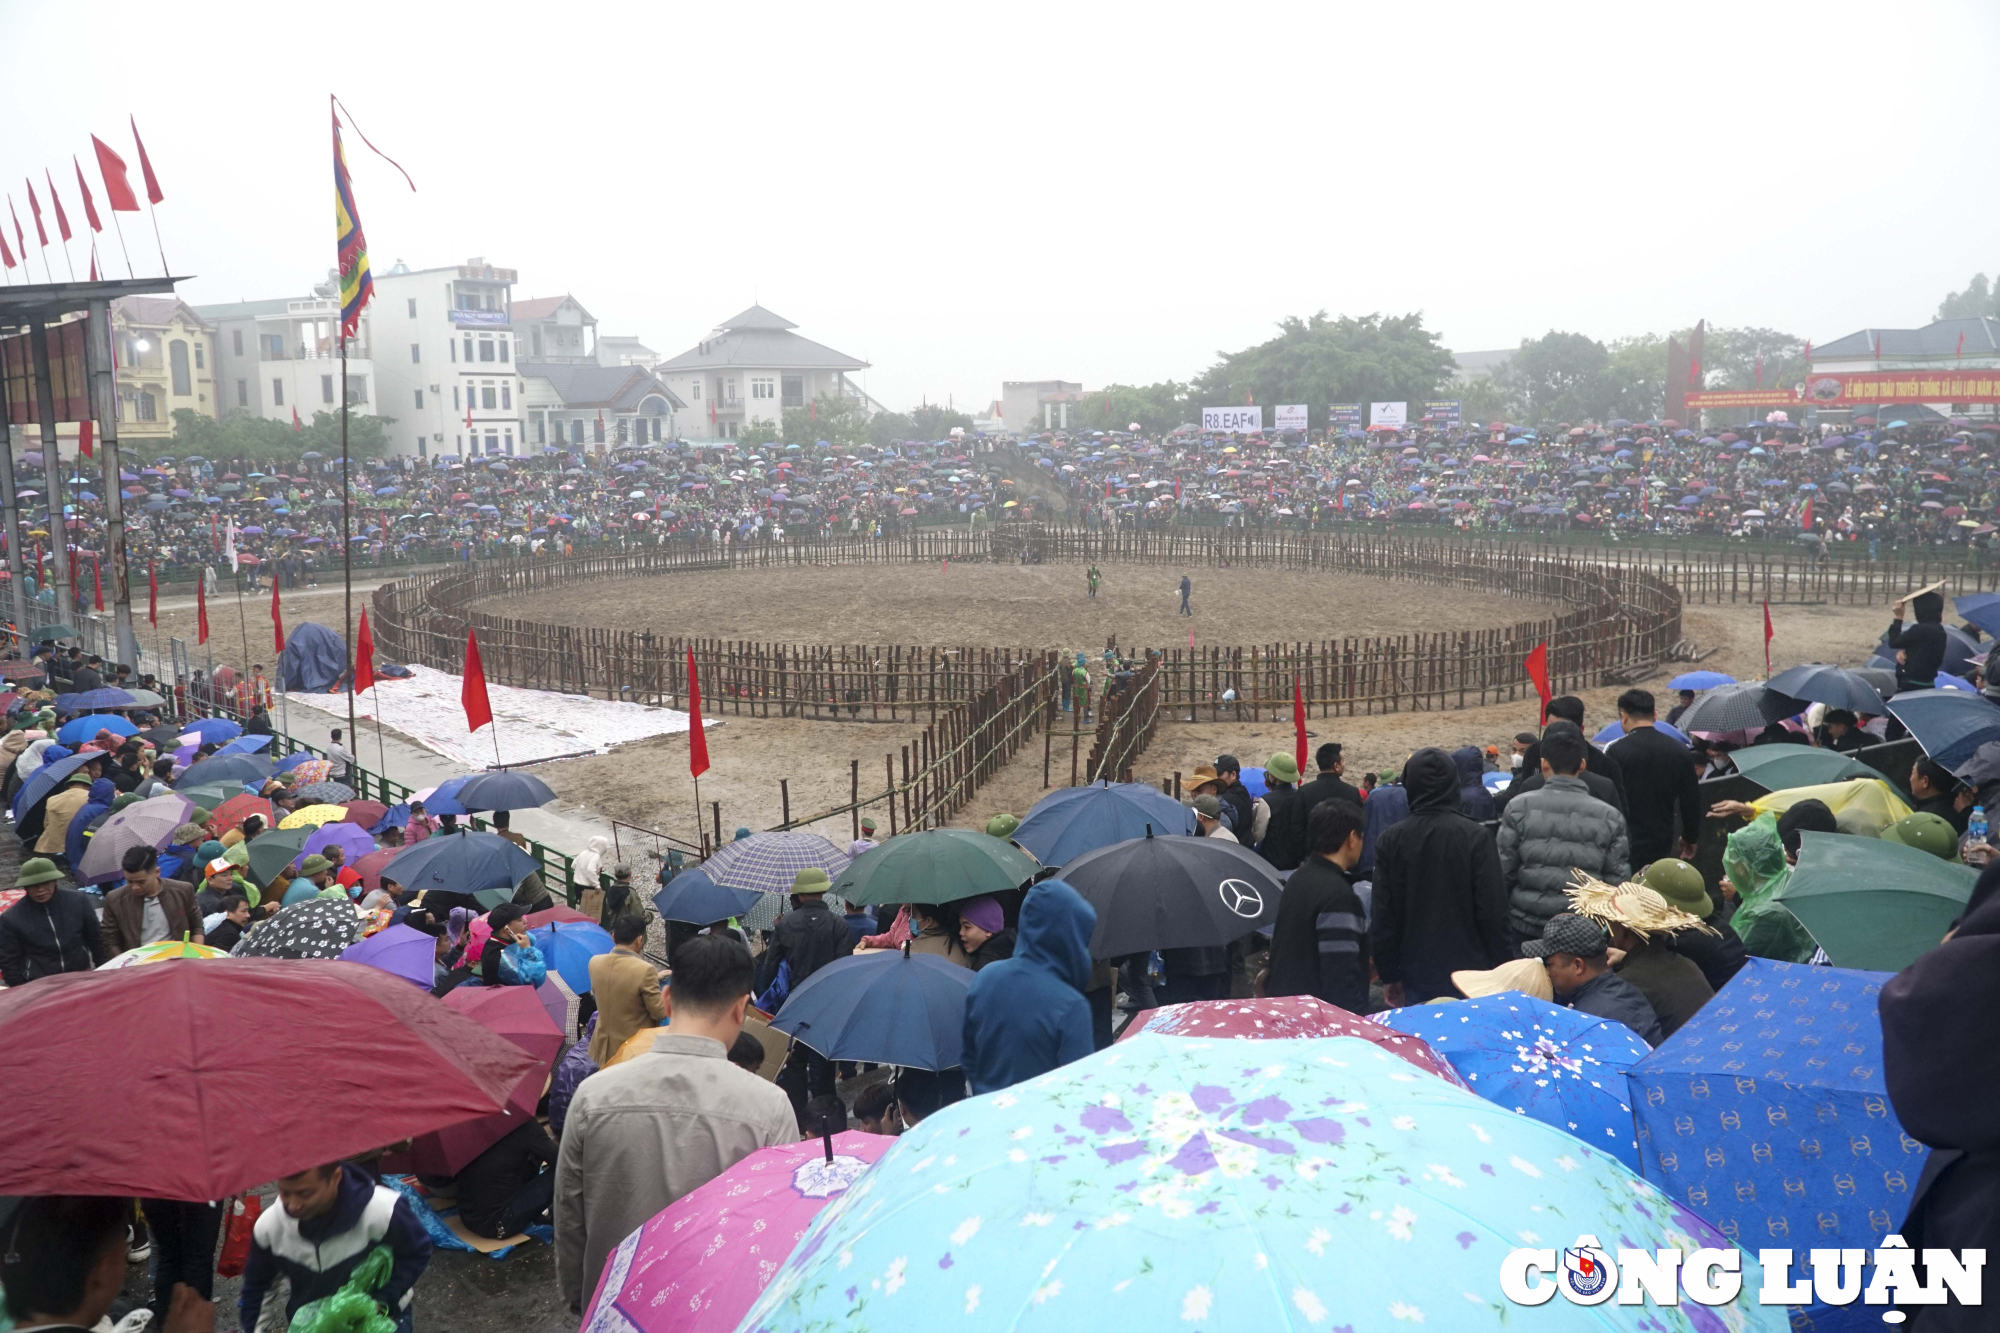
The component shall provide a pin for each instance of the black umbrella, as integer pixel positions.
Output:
(315, 928)
(1173, 892)
(1747, 707)
(505, 791)
(1829, 685)
(1982, 768)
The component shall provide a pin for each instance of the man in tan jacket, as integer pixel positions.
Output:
(643, 1133)
(627, 990)
(58, 811)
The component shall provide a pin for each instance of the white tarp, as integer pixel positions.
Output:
(532, 724)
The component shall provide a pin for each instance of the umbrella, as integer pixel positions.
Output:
(504, 791)
(215, 729)
(80, 729)
(148, 823)
(1285, 1016)
(314, 928)
(1949, 724)
(568, 949)
(1613, 732)
(312, 816)
(1779, 767)
(97, 1056)
(245, 745)
(1700, 680)
(698, 1264)
(161, 952)
(1745, 707)
(769, 862)
(513, 1014)
(692, 898)
(936, 866)
(370, 814)
(461, 862)
(274, 850)
(46, 778)
(1873, 903)
(1173, 892)
(401, 951)
(1981, 609)
(226, 768)
(326, 793)
(548, 914)
(1961, 651)
(890, 1008)
(354, 842)
(1779, 1079)
(370, 866)
(89, 700)
(443, 798)
(1073, 820)
(1829, 685)
(1560, 1066)
(1169, 1183)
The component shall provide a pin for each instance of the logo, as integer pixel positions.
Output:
(1823, 391)
(1241, 897)
(1588, 1275)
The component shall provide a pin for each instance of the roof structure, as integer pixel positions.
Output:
(585, 385)
(759, 339)
(543, 307)
(152, 310)
(277, 305)
(1937, 339)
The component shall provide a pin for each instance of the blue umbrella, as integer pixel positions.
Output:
(216, 729)
(1768, 1110)
(895, 1008)
(1978, 608)
(93, 699)
(1949, 724)
(568, 947)
(461, 862)
(693, 898)
(1073, 820)
(769, 862)
(1947, 681)
(443, 799)
(244, 745)
(226, 768)
(1614, 732)
(46, 779)
(504, 791)
(1559, 1066)
(1700, 680)
(290, 761)
(80, 729)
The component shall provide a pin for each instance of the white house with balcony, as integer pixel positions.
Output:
(279, 357)
(446, 359)
(751, 368)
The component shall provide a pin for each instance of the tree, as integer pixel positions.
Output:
(249, 436)
(1157, 408)
(1482, 400)
(835, 420)
(1636, 378)
(1977, 299)
(760, 431)
(1560, 377)
(1731, 359)
(1321, 360)
(885, 428)
(932, 422)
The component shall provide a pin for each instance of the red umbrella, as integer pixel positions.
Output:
(370, 866)
(1286, 1016)
(513, 1012)
(236, 809)
(365, 813)
(324, 1059)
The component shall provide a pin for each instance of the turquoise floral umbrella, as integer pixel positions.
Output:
(1182, 1183)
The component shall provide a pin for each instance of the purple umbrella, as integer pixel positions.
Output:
(401, 951)
(352, 839)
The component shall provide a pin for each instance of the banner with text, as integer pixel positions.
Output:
(1339, 416)
(1239, 419)
(1870, 387)
(1389, 414)
(1448, 410)
(1742, 398)
(1289, 416)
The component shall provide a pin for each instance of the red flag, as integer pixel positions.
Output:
(201, 608)
(478, 709)
(1961, 345)
(468, 411)
(1805, 515)
(1760, 372)
(83, 438)
(83, 187)
(118, 194)
(146, 166)
(41, 570)
(1767, 637)
(35, 207)
(20, 237)
(296, 428)
(1538, 672)
(364, 656)
(62, 220)
(152, 595)
(697, 739)
(6, 255)
(278, 620)
(1299, 722)
(1694, 372)
(1808, 354)
(96, 584)
(1878, 347)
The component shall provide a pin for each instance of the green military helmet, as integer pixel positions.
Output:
(1002, 826)
(1927, 833)
(1680, 884)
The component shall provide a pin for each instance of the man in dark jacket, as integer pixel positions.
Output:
(1027, 1015)
(1605, 775)
(1284, 844)
(1659, 782)
(1473, 798)
(1329, 784)
(148, 909)
(331, 1218)
(1319, 943)
(1440, 904)
(808, 937)
(1549, 834)
(1229, 772)
(1575, 950)
(51, 930)
(1920, 649)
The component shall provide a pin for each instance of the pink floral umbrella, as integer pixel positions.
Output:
(1286, 1016)
(699, 1264)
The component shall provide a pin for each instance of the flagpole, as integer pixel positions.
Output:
(153, 212)
(119, 227)
(381, 755)
(242, 625)
(346, 546)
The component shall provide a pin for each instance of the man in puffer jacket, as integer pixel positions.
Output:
(1547, 835)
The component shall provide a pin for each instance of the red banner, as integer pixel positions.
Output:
(66, 377)
(1871, 387)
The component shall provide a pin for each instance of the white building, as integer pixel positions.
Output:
(280, 357)
(751, 368)
(555, 328)
(586, 405)
(446, 363)
(1030, 406)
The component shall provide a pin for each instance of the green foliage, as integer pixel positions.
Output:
(1559, 377)
(836, 420)
(1977, 299)
(1636, 378)
(1484, 400)
(1157, 408)
(1730, 357)
(933, 422)
(1321, 360)
(759, 432)
(246, 435)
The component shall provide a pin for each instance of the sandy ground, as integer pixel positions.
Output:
(1031, 605)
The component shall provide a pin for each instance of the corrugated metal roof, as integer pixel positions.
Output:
(1939, 338)
(760, 350)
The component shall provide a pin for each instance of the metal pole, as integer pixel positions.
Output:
(10, 515)
(346, 545)
(45, 403)
(100, 368)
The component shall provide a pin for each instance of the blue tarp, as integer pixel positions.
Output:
(315, 659)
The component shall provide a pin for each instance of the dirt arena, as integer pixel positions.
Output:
(1015, 605)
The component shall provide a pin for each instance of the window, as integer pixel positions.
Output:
(413, 315)
(597, 431)
(761, 388)
(485, 349)
(541, 429)
(576, 432)
(794, 390)
(535, 337)
(510, 441)
(729, 390)
(696, 390)
(423, 447)
(177, 360)
(621, 430)
(455, 404)
(503, 349)
(145, 406)
(243, 393)
(486, 397)
(357, 390)
(451, 346)
(420, 400)
(277, 393)
(200, 357)
(506, 395)
(416, 354)
(492, 443)
(326, 388)
(236, 342)
(468, 350)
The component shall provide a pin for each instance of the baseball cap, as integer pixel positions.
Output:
(1566, 932)
(1209, 805)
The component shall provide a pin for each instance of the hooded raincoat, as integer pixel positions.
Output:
(1473, 798)
(1026, 1015)
(1440, 904)
(1754, 860)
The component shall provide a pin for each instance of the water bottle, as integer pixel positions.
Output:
(1975, 828)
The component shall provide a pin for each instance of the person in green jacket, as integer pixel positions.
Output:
(1755, 868)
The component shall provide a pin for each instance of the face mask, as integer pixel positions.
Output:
(1514, 760)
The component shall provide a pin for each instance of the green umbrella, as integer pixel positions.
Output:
(941, 866)
(210, 794)
(1871, 903)
(1778, 767)
(493, 897)
(273, 851)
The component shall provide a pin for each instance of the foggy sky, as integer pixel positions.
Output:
(971, 193)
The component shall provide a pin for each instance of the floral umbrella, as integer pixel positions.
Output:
(1170, 1183)
(1285, 1016)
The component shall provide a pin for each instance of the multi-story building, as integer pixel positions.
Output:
(280, 359)
(1028, 406)
(555, 328)
(588, 405)
(446, 363)
(166, 361)
(750, 369)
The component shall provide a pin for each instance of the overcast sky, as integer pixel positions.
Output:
(965, 194)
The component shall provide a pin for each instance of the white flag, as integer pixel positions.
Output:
(229, 545)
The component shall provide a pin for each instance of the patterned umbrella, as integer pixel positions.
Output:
(1286, 1016)
(160, 952)
(315, 928)
(326, 793)
(1172, 1183)
(769, 862)
(1555, 1065)
(313, 816)
(697, 1265)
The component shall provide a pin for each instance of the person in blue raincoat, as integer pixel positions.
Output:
(96, 806)
(1027, 1015)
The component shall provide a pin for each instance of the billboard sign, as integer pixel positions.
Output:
(1444, 410)
(1290, 416)
(1389, 414)
(1340, 416)
(1237, 419)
